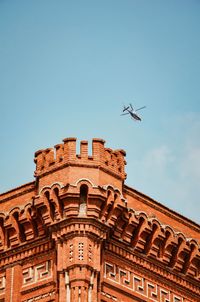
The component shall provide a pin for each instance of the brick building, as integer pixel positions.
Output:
(77, 233)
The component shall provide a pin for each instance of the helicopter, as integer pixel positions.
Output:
(129, 110)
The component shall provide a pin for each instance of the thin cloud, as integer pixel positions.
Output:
(170, 173)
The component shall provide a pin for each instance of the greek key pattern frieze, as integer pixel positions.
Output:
(140, 285)
(37, 273)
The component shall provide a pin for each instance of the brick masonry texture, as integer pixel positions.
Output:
(78, 233)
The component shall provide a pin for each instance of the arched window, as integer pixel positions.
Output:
(83, 199)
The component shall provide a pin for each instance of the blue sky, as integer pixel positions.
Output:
(67, 68)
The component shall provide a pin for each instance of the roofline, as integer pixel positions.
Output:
(166, 210)
(28, 186)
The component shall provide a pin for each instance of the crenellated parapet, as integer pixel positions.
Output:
(112, 161)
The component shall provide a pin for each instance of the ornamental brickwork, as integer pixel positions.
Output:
(78, 233)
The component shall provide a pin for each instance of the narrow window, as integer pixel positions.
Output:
(83, 200)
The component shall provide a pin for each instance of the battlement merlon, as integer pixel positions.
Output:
(65, 154)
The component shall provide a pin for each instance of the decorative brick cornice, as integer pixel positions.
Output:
(79, 226)
(56, 211)
(161, 208)
(26, 252)
(17, 192)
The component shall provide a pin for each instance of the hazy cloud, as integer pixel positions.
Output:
(170, 173)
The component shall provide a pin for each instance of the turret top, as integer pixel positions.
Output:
(65, 154)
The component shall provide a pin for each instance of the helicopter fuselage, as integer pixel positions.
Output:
(134, 115)
(129, 110)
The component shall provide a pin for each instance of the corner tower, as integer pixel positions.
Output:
(72, 192)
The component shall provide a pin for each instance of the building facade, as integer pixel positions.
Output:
(78, 233)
